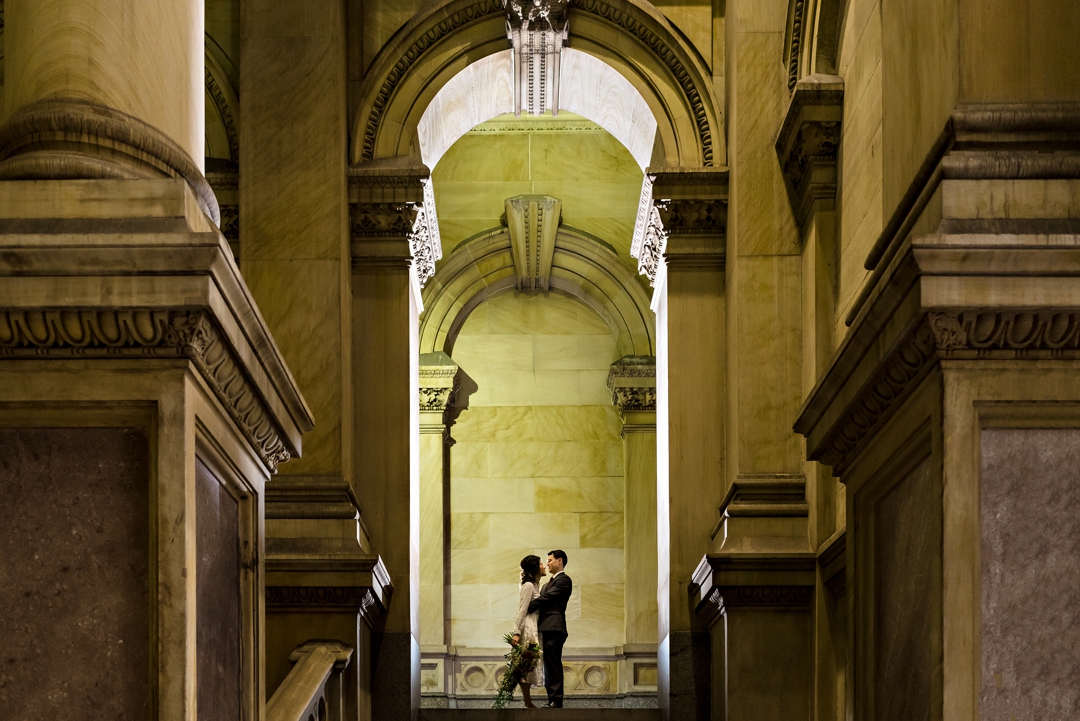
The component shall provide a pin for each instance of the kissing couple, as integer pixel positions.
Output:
(541, 621)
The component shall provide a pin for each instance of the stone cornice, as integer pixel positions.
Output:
(809, 140)
(68, 139)
(96, 333)
(311, 497)
(729, 581)
(328, 584)
(159, 282)
(980, 142)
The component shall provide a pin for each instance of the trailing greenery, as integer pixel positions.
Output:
(520, 662)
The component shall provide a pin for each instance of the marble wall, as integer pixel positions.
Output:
(74, 581)
(537, 466)
(1030, 494)
(570, 158)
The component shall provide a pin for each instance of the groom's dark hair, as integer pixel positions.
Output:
(559, 555)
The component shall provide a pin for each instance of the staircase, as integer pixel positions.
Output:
(540, 714)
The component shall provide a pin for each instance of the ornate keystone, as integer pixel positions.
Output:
(533, 221)
(537, 30)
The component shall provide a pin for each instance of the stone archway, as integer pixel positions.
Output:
(630, 36)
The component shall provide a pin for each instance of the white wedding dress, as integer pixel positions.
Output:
(525, 626)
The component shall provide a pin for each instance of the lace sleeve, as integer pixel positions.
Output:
(525, 594)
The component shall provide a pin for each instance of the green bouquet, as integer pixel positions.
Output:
(520, 662)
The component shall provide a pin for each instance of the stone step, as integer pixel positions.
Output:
(540, 714)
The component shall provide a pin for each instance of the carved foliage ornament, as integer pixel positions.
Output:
(659, 219)
(140, 333)
(418, 223)
(634, 399)
(960, 335)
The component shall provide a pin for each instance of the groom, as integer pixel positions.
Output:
(551, 603)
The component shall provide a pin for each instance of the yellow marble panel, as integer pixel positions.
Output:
(504, 601)
(575, 352)
(594, 632)
(580, 495)
(556, 388)
(492, 566)
(542, 314)
(592, 388)
(561, 458)
(601, 530)
(492, 495)
(556, 530)
(470, 602)
(491, 157)
(469, 530)
(600, 601)
(588, 199)
(456, 200)
(484, 633)
(469, 460)
(581, 157)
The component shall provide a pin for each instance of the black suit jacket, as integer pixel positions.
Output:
(551, 603)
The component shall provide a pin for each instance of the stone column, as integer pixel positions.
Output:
(389, 242)
(684, 255)
(632, 382)
(439, 382)
(807, 148)
(97, 91)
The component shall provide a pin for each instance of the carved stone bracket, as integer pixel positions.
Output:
(394, 205)
(809, 140)
(537, 30)
(632, 382)
(140, 333)
(533, 221)
(444, 389)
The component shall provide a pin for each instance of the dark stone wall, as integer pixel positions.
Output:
(74, 573)
(906, 544)
(217, 589)
(1030, 498)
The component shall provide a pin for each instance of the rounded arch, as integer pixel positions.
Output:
(630, 36)
(582, 267)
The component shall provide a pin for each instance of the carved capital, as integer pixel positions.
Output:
(389, 206)
(809, 140)
(441, 383)
(190, 334)
(632, 382)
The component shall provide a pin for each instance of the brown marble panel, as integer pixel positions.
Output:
(217, 588)
(906, 540)
(1030, 497)
(74, 573)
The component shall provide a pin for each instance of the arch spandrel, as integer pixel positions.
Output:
(582, 267)
(629, 35)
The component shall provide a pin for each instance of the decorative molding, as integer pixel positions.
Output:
(191, 334)
(324, 497)
(480, 676)
(537, 31)
(381, 220)
(792, 59)
(324, 598)
(667, 56)
(494, 127)
(634, 399)
(765, 495)
(684, 216)
(965, 335)
(767, 596)
(76, 139)
(440, 382)
(424, 240)
(533, 222)
(447, 24)
(396, 205)
(224, 108)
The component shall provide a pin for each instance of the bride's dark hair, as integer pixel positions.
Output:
(530, 565)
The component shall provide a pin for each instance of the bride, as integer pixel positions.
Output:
(532, 570)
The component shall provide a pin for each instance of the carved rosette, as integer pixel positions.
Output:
(537, 31)
(183, 333)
